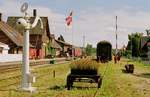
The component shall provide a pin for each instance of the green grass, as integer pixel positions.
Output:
(115, 82)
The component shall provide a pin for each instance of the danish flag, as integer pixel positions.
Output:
(69, 19)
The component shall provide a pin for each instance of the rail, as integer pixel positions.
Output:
(12, 66)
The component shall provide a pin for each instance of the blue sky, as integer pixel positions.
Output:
(62, 5)
(93, 18)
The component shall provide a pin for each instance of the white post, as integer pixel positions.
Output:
(25, 70)
(27, 78)
(26, 75)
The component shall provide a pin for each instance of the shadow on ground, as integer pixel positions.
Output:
(124, 71)
(8, 90)
(144, 75)
(57, 87)
(84, 88)
(73, 87)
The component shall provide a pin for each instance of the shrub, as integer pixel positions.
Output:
(85, 64)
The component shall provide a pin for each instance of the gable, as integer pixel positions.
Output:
(10, 35)
(37, 30)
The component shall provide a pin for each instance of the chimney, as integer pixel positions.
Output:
(0, 16)
(34, 13)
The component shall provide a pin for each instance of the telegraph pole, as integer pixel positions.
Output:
(131, 44)
(116, 37)
(115, 58)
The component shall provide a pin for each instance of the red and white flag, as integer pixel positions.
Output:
(69, 19)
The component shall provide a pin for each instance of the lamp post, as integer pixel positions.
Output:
(27, 78)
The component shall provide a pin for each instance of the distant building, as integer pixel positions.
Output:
(66, 48)
(40, 39)
(54, 48)
(145, 47)
(42, 43)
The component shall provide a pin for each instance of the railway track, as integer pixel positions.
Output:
(13, 66)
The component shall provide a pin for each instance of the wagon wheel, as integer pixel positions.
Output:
(68, 83)
(71, 83)
(131, 71)
(99, 82)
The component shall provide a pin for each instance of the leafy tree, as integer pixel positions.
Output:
(94, 51)
(148, 32)
(134, 43)
(88, 50)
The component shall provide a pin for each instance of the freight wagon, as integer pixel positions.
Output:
(104, 51)
(77, 51)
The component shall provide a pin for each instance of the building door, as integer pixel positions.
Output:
(38, 53)
(1, 50)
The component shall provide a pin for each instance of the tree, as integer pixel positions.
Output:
(88, 50)
(134, 43)
(61, 38)
(148, 32)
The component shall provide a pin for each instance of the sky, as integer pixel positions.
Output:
(94, 19)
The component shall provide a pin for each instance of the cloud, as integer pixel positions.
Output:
(95, 23)
(9, 7)
(100, 25)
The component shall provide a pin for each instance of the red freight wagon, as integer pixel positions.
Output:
(36, 53)
(77, 52)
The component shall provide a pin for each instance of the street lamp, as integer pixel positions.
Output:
(27, 78)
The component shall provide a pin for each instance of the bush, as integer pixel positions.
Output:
(126, 53)
(85, 64)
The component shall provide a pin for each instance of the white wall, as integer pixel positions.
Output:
(10, 57)
(5, 48)
(5, 51)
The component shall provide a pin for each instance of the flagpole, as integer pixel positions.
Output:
(70, 24)
(72, 31)
(72, 41)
